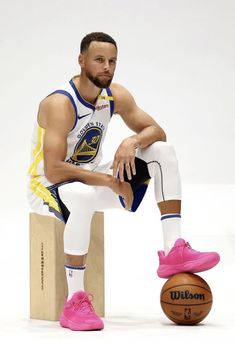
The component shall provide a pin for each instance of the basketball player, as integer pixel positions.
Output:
(67, 180)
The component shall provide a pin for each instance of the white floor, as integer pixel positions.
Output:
(133, 311)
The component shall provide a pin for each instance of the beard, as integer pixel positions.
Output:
(98, 81)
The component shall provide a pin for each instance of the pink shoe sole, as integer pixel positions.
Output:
(195, 266)
(66, 323)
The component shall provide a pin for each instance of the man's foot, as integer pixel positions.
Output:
(79, 314)
(182, 258)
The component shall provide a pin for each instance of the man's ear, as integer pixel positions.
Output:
(81, 60)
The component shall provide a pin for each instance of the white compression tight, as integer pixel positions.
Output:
(83, 200)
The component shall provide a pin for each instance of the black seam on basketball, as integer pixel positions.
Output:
(186, 284)
(192, 304)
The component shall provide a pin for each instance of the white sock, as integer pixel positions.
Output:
(171, 226)
(75, 279)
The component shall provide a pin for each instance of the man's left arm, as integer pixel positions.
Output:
(146, 129)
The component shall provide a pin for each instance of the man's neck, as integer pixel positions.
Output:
(86, 88)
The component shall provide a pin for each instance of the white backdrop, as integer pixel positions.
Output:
(177, 59)
(175, 56)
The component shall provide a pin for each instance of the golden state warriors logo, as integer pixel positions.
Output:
(88, 146)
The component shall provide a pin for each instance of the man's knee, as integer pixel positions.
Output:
(159, 151)
(160, 148)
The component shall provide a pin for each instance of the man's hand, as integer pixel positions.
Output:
(124, 190)
(124, 158)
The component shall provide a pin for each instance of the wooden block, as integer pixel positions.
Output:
(94, 275)
(48, 286)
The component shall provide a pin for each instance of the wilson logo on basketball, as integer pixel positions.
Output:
(175, 295)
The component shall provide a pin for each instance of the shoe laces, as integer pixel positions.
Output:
(188, 245)
(84, 304)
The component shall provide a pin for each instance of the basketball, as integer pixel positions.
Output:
(186, 299)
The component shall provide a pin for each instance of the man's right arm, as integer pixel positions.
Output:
(58, 119)
(58, 115)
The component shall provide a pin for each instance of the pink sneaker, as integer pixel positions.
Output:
(79, 314)
(182, 258)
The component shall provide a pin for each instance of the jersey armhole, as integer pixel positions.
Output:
(111, 102)
(61, 91)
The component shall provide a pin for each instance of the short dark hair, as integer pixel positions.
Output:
(97, 37)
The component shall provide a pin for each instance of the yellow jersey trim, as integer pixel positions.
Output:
(105, 97)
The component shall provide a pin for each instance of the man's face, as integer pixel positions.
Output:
(99, 63)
